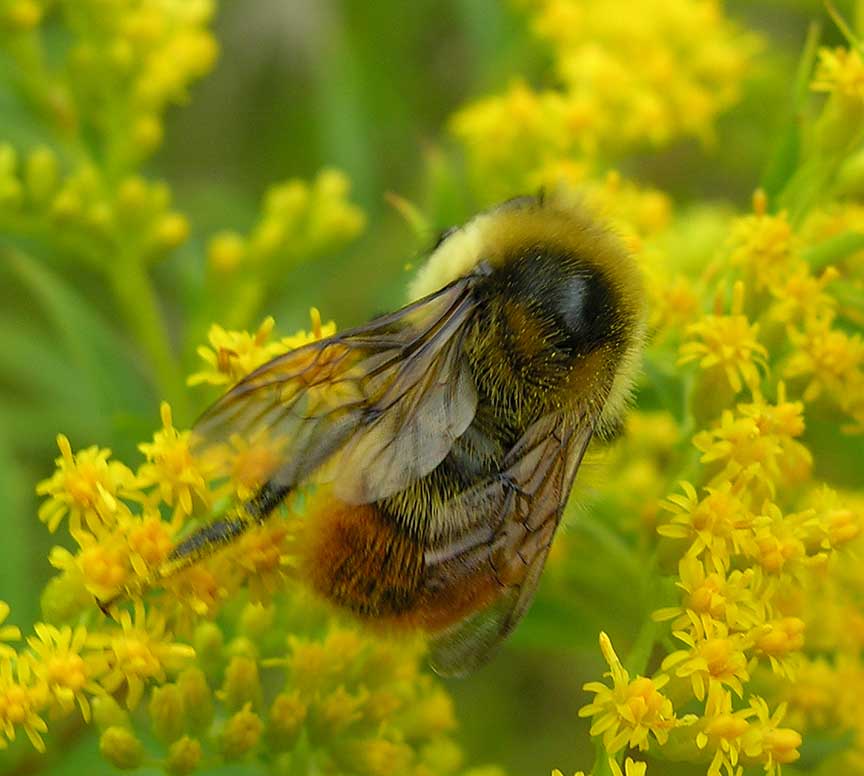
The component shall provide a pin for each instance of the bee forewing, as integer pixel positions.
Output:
(373, 408)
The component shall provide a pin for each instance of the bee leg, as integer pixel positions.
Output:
(207, 541)
(211, 538)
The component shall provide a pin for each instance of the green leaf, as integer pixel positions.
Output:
(105, 366)
(17, 549)
(834, 249)
(783, 162)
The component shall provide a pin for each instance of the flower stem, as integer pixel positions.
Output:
(136, 297)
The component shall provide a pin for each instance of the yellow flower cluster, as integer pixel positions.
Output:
(274, 678)
(88, 218)
(338, 700)
(115, 514)
(298, 220)
(730, 512)
(127, 61)
(767, 620)
(644, 75)
(232, 355)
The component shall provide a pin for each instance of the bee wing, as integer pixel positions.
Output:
(526, 502)
(371, 409)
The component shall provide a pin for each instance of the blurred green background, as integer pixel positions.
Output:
(300, 84)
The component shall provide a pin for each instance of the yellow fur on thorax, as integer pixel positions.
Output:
(561, 222)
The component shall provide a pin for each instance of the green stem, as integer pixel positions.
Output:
(137, 299)
(636, 661)
(601, 759)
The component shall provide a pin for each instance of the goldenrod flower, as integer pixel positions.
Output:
(714, 658)
(262, 556)
(758, 443)
(839, 518)
(102, 567)
(721, 731)
(764, 246)
(800, 297)
(172, 469)
(234, 354)
(765, 742)
(717, 525)
(778, 539)
(629, 711)
(149, 540)
(22, 698)
(840, 70)
(778, 640)
(141, 651)
(631, 768)
(67, 663)
(87, 487)
(830, 358)
(727, 346)
(735, 599)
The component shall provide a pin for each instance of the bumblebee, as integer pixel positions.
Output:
(439, 443)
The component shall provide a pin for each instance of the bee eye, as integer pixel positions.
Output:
(585, 308)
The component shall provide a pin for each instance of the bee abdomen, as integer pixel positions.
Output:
(359, 558)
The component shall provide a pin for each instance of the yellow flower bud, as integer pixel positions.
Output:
(208, 642)
(226, 251)
(10, 187)
(241, 685)
(22, 15)
(108, 713)
(100, 216)
(442, 755)
(241, 734)
(783, 744)
(332, 184)
(132, 197)
(171, 230)
(287, 715)
(64, 597)
(167, 713)
(67, 205)
(287, 200)
(41, 174)
(200, 51)
(184, 757)
(121, 748)
(256, 620)
(267, 238)
(10, 193)
(147, 133)
(197, 698)
(380, 757)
